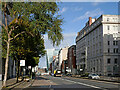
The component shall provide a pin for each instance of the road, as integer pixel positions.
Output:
(58, 83)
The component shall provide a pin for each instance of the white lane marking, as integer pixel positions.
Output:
(82, 84)
(88, 85)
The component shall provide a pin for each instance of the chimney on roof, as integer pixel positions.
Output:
(78, 33)
(90, 21)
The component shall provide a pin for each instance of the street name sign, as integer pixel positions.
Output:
(22, 62)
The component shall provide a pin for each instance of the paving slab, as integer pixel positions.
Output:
(42, 81)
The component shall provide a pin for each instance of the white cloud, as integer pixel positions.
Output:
(63, 10)
(93, 13)
(69, 34)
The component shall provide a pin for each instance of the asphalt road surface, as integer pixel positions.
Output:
(70, 83)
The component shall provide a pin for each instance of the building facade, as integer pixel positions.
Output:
(72, 59)
(49, 56)
(12, 69)
(62, 56)
(98, 46)
(64, 66)
(54, 63)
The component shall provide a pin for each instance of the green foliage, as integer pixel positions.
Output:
(36, 19)
(42, 18)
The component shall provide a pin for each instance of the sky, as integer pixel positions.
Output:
(75, 15)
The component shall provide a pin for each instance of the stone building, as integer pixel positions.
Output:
(62, 56)
(98, 46)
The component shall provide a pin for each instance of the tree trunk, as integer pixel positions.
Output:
(17, 70)
(6, 64)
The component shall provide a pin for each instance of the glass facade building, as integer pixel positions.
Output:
(49, 56)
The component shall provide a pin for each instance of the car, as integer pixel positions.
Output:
(93, 76)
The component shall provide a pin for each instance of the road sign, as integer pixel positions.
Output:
(22, 62)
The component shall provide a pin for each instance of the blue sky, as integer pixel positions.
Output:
(75, 16)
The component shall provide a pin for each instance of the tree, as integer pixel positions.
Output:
(28, 48)
(37, 19)
(6, 31)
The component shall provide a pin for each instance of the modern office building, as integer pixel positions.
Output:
(49, 56)
(98, 46)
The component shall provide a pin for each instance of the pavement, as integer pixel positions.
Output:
(11, 82)
(12, 85)
(0, 84)
(41, 81)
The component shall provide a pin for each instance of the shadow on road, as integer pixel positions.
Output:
(41, 78)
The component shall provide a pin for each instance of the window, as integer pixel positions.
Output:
(100, 44)
(114, 27)
(108, 50)
(115, 60)
(96, 51)
(96, 32)
(93, 39)
(113, 42)
(114, 19)
(118, 30)
(100, 51)
(93, 33)
(108, 60)
(107, 19)
(108, 42)
(116, 42)
(109, 68)
(108, 27)
(115, 50)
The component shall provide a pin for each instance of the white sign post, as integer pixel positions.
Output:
(29, 67)
(0, 77)
(22, 62)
